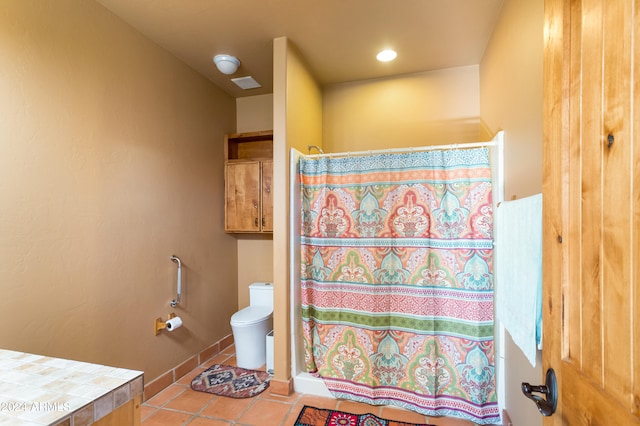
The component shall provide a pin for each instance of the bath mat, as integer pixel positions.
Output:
(311, 416)
(234, 382)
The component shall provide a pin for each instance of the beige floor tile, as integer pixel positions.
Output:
(290, 418)
(146, 411)
(229, 350)
(200, 421)
(190, 401)
(166, 418)
(392, 413)
(227, 408)
(318, 402)
(221, 358)
(187, 378)
(280, 398)
(166, 395)
(265, 412)
(231, 361)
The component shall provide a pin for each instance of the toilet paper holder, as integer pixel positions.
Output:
(160, 325)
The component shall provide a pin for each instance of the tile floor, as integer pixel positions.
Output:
(179, 405)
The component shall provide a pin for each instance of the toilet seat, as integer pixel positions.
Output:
(251, 315)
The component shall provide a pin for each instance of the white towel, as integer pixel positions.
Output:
(518, 287)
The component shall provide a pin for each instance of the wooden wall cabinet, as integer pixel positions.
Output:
(248, 172)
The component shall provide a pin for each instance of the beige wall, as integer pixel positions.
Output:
(428, 108)
(297, 110)
(110, 162)
(255, 252)
(511, 100)
(254, 113)
(511, 93)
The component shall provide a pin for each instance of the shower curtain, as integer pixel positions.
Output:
(397, 280)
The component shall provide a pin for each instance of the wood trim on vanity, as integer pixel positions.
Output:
(126, 414)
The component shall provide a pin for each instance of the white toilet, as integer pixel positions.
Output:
(251, 325)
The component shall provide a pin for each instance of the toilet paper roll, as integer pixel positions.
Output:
(173, 323)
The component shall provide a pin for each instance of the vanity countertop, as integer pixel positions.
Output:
(40, 390)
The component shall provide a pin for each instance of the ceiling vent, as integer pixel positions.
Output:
(246, 82)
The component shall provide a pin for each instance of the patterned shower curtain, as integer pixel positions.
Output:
(397, 280)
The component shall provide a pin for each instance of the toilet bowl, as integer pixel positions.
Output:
(251, 325)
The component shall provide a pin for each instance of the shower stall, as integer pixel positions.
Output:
(307, 383)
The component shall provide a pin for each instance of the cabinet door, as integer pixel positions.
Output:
(267, 196)
(242, 199)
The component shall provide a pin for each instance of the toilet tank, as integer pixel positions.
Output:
(261, 294)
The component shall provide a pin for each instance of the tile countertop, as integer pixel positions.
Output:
(39, 390)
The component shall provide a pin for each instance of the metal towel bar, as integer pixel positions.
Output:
(175, 301)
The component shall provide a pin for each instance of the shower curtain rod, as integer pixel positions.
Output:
(467, 145)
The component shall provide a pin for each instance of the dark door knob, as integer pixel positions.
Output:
(546, 405)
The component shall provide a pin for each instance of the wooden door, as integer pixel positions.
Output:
(266, 176)
(242, 197)
(592, 210)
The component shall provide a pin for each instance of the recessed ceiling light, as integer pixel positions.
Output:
(386, 55)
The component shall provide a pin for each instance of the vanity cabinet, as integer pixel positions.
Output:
(248, 174)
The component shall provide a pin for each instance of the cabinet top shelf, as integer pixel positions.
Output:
(249, 136)
(248, 145)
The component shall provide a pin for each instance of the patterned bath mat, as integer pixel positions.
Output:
(311, 416)
(234, 382)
